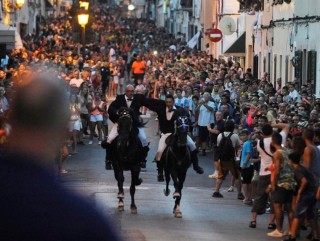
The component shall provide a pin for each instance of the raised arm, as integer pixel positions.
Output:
(284, 127)
(112, 111)
(154, 104)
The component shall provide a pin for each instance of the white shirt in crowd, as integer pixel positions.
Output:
(265, 159)
(294, 94)
(76, 82)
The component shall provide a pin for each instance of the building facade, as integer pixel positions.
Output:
(286, 44)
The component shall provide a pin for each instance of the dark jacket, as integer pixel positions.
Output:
(120, 101)
(159, 106)
(105, 73)
(34, 206)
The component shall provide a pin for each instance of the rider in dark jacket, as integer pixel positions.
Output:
(167, 114)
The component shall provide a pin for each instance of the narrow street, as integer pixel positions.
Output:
(204, 217)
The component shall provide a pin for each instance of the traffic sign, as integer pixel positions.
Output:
(215, 35)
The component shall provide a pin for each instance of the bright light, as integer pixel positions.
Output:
(155, 52)
(83, 19)
(131, 7)
(84, 4)
(20, 3)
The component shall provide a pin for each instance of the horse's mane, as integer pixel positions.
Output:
(137, 122)
(181, 112)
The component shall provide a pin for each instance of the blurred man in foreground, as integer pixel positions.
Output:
(33, 205)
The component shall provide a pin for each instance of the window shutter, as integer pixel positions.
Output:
(298, 65)
(312, 67)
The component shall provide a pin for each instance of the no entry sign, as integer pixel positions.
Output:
(215, 35)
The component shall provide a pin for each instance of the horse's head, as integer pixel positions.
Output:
(124, 129)
(182, 128)
(124, 121)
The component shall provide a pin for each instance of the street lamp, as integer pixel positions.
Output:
(84, 4)
(16, 5)
(20, 3)
(83, 17)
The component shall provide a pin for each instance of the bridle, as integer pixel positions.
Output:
(182, 122)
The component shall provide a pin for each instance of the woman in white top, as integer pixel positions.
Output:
(75, 121)
(239, 70)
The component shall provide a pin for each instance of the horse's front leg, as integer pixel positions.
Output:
(181, 178)
(167, 190)
(120, 179)
(134, 177)
(176, 185)
(177, 212)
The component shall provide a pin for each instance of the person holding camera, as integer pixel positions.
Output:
(206, 117)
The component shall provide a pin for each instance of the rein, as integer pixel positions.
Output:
(179, 161)
(126, 115)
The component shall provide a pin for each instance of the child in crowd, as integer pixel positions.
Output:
(246, 166)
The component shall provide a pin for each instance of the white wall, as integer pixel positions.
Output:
(303, 35)
(229, 7)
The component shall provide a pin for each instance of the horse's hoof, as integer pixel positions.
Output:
(121, 195)
(134, 210)
(120, 206)
(166, 192)
(178, 214)
(176, 194)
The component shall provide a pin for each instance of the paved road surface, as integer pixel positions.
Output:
(204, 218)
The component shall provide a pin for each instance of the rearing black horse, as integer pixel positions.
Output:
(126, 154)
(176, 160)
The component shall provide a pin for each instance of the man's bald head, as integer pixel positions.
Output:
(129, 91)
(41, 103)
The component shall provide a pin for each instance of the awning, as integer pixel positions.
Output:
(49, 6)
(238, 48)
(10, 36)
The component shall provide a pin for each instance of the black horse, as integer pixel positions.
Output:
(125, 153)
(176, 160)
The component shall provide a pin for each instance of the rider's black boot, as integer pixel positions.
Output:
(195, 162)
(138, 181)
(145, 151)
(160, 171)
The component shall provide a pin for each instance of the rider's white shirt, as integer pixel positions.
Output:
(169, 114)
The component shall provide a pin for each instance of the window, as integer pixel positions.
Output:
(286, 77)
(186, 3)
(274, 70)
(312, 68)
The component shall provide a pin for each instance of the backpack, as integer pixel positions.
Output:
(286, 178)
(226, 151)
